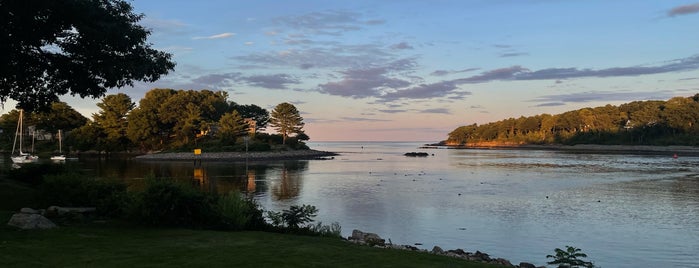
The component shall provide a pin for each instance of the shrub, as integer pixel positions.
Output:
(569, 258)
(332, 230)
(238, 213)
(166, 203)
(73, 189)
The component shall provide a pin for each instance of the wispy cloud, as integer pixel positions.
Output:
(513, 54)
(401, 45)
(590, 96)
(683, 10)
(326, 22)
(436, 111)
(368, 82)
(274, 81)
(216, 36)
(448, 72)
(363, 119)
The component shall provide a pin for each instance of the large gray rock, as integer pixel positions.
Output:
(30, 221)
(367, 238)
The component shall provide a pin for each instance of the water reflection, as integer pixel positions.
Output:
(281, 180)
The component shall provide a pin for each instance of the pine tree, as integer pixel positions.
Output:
(285, 118)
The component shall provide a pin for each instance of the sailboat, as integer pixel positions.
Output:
(61, 156)
(22, 157)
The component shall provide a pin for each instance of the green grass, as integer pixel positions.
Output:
(128, 246)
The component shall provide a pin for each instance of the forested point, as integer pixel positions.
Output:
(671, 122)
(164, 120)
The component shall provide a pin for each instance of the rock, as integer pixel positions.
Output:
(60, 211)
(367, 238)
(503, 262)
(437, 250)
(416, 154)
(27, 221)
(374, 239)
(526, 265)
(29, 211)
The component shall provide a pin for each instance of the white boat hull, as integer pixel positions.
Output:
(24, 159)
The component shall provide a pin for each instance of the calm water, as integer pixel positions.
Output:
(622, 210)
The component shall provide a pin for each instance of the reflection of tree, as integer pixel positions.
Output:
(289, 185)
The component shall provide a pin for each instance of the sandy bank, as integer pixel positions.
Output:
(239, 156)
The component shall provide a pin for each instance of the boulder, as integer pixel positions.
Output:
(28, 221)
(526, 265)
(30, 211)
(437, 250)
(367, 238)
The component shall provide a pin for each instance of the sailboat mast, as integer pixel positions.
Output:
(21, 130)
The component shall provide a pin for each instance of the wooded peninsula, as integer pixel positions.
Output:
(660, 123)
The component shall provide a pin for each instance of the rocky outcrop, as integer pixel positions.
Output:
(372, 239)
(416, 154)
(363, 238)
(29, 219)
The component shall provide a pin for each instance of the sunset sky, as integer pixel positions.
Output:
(415, 70)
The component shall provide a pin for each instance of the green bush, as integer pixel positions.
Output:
(238, 213)
(166, 203)
(74, 190)
(332, 230)
(569, 258)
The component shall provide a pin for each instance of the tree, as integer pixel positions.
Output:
(78, 47)
(60, 117)
(231, 126)
(286, 120)
(112, 118)
(146, 126)
(257, 113)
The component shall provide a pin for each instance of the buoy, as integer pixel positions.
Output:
(674, 156)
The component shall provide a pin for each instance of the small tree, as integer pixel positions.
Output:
(569, 258)
(286, 120)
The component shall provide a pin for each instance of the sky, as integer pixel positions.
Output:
(371, 70)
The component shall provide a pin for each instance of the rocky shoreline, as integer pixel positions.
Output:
(374, 240)
(588, 148)
(240, 156)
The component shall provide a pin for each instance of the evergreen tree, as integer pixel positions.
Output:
(285, 118)
(231, 125)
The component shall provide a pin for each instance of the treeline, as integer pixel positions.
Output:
(164, 119)
(671, 122)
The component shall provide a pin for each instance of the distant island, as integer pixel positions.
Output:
(639, 123)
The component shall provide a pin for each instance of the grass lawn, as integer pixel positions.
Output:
(107, 245)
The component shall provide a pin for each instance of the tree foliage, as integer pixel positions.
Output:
(285, 118)
(231, 126)
(569, 258)
(78, 47)
(112, 118)
(671, 122)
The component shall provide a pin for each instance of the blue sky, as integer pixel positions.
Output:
(415, 70)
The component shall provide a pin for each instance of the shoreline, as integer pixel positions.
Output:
(680, 150)
(240, 156)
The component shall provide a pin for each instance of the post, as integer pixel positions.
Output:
(197, 156)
